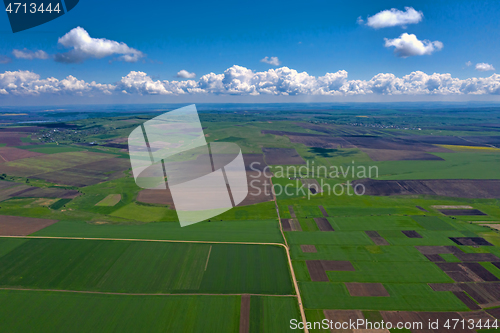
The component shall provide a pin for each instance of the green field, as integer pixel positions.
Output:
(404, 297)
(110, 200)
(72, 312)
(145, 267)
(272, 314)
(266, 231)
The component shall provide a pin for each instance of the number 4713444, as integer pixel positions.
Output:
(19, 7)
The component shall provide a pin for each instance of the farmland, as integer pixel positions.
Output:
(146, 267)
(93, 249)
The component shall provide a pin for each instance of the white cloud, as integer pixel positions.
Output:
(30, 55)
(238, 80)
(24, 83)
(271, 61)
(394, 17)
(483, 67)
(468, 63)
(185, 74)
(408, 45)
(85, 47)
(360, 20)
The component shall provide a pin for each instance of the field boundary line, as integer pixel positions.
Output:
(140, 240)
(139, 294)
(287, 249)
(208, 257)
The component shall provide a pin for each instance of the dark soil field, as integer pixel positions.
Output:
(8, 154)
(466, 300)
(259, 189)
(343, 316)
(70, 179)
(494, 312)
(316, 270)
(323, 224)
(462, 188)
(411, 234)
(421, 208)
(308, 248)
(22, 226)
(399, 155)
(282, 156)
(337, 265)
(366, 289)
(480, 271)
(444, 140)
(434, 257)
(5, 184)
(376, 238)
(259, 184)
(323, 211)
(376, 142)
(255, 162)
(12, 138)
(292, 213)
(112, 164)
(483, 293)
(89, 173)
(461, 212)
(46, 192)
(321, 141)
(245, 314)
(286, 224)
(282, 133)
(159, 197)
(433, 249)
(471, 241)
(445, 287)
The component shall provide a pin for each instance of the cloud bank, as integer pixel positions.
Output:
(85, 47)
(238, 80)
(393, 17)
(408, 45)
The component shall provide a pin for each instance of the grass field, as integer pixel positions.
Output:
(52, 149)
(265, 231)
(145, 267)
(272, 314)
(110, 200)
(20, 311)
(404, 297)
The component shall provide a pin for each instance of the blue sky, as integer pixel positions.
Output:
(316, 37)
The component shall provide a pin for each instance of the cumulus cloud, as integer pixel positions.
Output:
(394, 17)
(22, 83)
(483, 67)
(85, 47)
(185, 74)
(271, 61)
(468, 63)
(408, 45)
(238, 80)
(29, 55)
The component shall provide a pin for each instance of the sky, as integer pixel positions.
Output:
(255, 51)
